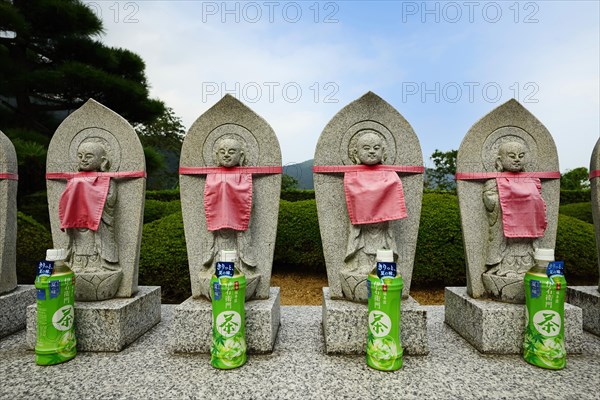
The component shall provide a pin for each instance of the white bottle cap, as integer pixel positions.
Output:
(228, 256)
(56, 254)
(544, 254)
(385, 255)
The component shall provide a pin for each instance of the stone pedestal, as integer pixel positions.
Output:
(192, 325)
(13, 309)
(108, 325)
(498, 328)
(345, 326)
(588, 299)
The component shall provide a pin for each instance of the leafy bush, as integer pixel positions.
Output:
(163, 260)
(575, 244)
(297, 195)
(440, 256)
(163, 195)
(575, 196)
(36, 206)
(582, 211)
(155, 209)
(298, 243)
(33, 239)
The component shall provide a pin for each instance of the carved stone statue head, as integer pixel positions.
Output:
(229, 152)
(92, 157)
(511, 156)
(369, 149)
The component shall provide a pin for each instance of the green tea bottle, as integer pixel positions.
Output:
(384, 289)
(55, 284)
(545, 288)
(228, 289)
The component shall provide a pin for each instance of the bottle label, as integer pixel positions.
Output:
(386, 269)
(224, 269)
(536, 288)
(217, 289)
(54, 288)
(45, 268)
(555, 268)
(41, 294)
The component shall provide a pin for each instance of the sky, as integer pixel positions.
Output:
(442, 64)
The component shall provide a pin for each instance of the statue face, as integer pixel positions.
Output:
(369, 149)
(91, 156)
(511, 156)
(229, 153)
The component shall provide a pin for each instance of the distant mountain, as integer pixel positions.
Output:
(302, 172)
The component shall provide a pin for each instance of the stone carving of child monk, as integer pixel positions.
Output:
(95, 251)
(506, 256)
(365, 239)
(231, 153)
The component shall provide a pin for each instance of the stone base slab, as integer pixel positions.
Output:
(588, 299)
(345, 326)
(13, 309)
(498, 328)
(192, 325)
(108, 325)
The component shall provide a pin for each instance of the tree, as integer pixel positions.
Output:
(575, 179)
(162, 140)
(442, 176)
(50, 64)
(288, 182)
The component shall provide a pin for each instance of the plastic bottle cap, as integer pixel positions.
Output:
(56, 254)
(228, 256)
(385, 255)
(544, 254)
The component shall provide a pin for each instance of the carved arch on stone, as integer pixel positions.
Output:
(229, 117)
(508, 122)
(369, 112)
(8, 216)
(93, 121)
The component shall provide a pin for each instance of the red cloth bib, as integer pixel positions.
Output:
(374, 196)
(228, 200)
(523, 208)
(82, 202)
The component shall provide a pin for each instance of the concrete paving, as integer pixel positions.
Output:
(297, 369)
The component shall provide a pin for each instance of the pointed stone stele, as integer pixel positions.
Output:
(496, 326)
(14, 298)
(588, 297)
(117, 311)
(344, 301)
(229, 119)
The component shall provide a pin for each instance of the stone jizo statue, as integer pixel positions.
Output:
(509, 257)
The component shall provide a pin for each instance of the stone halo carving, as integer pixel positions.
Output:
(505, 134)
(111, 143)
(235, 131)
(352, 135)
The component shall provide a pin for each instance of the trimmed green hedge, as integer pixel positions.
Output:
(33, 239)
(582, 211)
(576, 245)
(440, 258)
(156, 209)
(575, 196)
(298, 243)
(297, 195)
(163, 195)
(163, 259)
